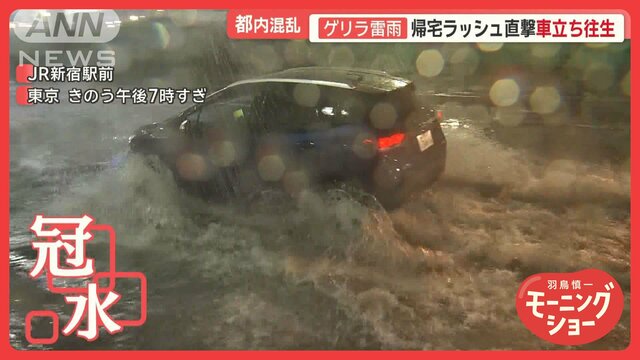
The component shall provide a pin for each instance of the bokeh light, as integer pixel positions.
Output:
(383, 116)
(296, 52)
(599, 76)
(271, 168)
(545, 100)
(504, 92)
(464, 60)
(191, 166)
(545, 51)
(489, 47)
(364, 145)
(596, 45)
(430, 63)
(223, 153)
(625, 84)
(341, 55)
(265, 58)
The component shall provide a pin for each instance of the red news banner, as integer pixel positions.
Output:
(269, 24)
(425, 28)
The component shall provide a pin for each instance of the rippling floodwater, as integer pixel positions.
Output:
(330, 271)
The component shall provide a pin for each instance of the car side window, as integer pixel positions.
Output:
(219, 113)
(216, 114)
(283, 111)
(306, 107)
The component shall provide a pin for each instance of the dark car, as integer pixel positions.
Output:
(300, 128)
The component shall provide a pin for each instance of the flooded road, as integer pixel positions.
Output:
(332, 270)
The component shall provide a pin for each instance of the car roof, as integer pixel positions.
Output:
(363, 80)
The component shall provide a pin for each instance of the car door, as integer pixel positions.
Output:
(290, 142)
(223, 135)
(340, 127)
(318, 128)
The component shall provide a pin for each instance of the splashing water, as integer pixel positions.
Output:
(332, 269)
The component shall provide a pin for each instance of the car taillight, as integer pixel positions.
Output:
(390, 141)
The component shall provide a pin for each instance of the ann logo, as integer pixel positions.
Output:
(74, 24)
(65, 26)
